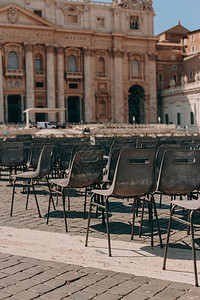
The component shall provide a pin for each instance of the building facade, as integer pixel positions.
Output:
(96, 60)
(178, 77)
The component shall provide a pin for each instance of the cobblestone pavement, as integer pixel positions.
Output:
(29, 278)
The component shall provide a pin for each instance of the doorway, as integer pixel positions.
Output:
(73, 109)
(136, 105)
(14, 109)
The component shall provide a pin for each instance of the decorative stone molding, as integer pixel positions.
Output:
(152, 55)
(28, 2)
(49, 49)
(48, 2)
(88, 51)
(118, 53)
(28, 47)
(60, 50)
(72, 10)
(12, 14)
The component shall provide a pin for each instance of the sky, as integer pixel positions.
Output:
(169, 12)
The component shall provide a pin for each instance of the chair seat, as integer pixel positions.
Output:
(187, 204)
(63, 182)
(25, 175)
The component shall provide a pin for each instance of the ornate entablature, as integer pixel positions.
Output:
(135, 4)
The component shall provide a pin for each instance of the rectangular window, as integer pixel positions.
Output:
(166, 119)
(191, 118)
(38, 13)
(193, 49)
(193, 38)
(73, 85)
(160, 77)
(134, 22)
(190, 75)
(38, 65)
(174, 67)
(178, 119)
(39, 84)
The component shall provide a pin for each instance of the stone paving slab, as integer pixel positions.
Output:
(110, 285)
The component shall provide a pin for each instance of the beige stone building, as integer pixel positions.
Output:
(178, 77)
(96, 60)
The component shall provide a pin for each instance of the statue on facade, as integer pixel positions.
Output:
(123, 3)
(185, 79)
(147, 5)
(12, 14)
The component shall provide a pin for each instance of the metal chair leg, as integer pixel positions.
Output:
(13, 195)
(68, 198)
(156, 215)
(141, 220)
(168, 236)
(28, 192)
(64, 211)
(107, 226)
(48, 212)
(193, 249)
(89, 217)
(103, 211)
(133, 221)
(50, 193)
(84, 206)
(35, 199)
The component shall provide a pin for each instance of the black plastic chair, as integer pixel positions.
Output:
(134, 177)
(180, 174)
(42, 171)
(86, 170)
(12, 155)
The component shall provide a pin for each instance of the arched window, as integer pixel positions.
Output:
(12, 60)
(101, 66)
(102, 107)
(135, 68)
(38, 63)
(71, 63)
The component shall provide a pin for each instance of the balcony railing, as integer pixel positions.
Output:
(14, 72)
(74, 75)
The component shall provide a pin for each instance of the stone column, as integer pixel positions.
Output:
(2, 117)
(50, 81)
(60, 82)
(152, 88)
(29, 78)
(87, 85)
(118, 86)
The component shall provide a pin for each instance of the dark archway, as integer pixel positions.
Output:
(73, 109)
(136, 104)
(14, 109)
(40, 117)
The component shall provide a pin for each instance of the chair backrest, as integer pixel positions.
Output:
(34, 154)
(65, 156)
(44, 165)
(161, 150)
(179, 172)
(12, 154)
(86, 168)
(24, 138)
(135, 173)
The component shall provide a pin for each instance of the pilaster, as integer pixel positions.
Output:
(87, 84)
(50, 81)
(29, 77)
(2, 118)
(60, 82)
(118, 85)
